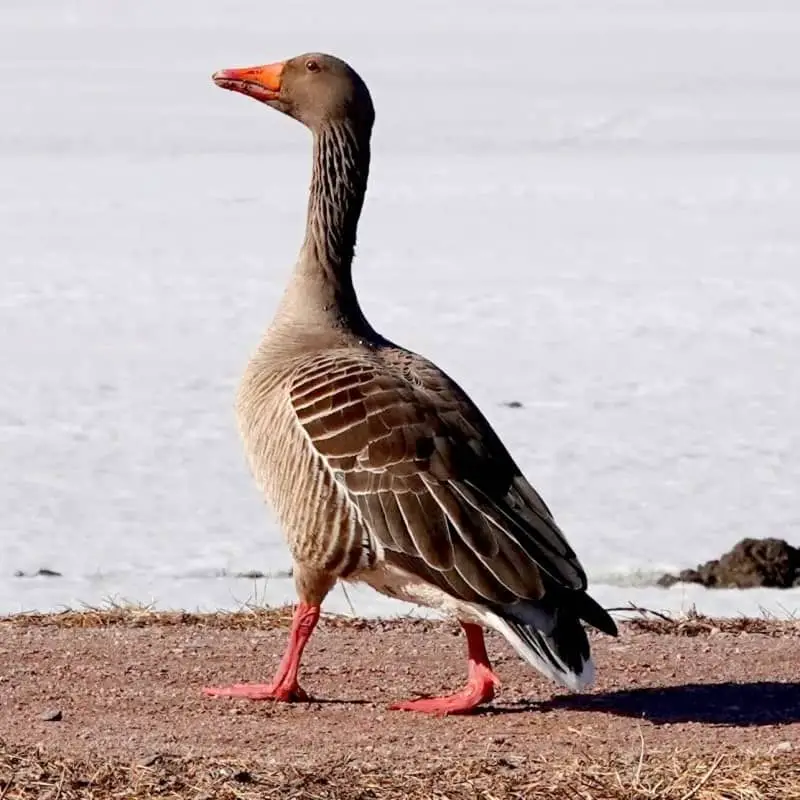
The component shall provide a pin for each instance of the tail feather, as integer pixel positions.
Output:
(563, 656)
(551, 638)
(592, 612)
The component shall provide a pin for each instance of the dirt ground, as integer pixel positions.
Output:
(127, 688)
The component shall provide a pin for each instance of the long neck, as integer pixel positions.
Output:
(321, 290)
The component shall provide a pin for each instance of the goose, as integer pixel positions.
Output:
(379, 467)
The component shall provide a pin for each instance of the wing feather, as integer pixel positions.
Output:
(428, 529)
(429, 478)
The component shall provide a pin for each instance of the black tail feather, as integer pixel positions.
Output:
(550, 635)
(566, 648)
(592, 612)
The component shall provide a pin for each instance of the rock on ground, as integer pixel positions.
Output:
(772, 563)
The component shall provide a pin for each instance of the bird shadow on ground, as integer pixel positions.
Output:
(741, 704)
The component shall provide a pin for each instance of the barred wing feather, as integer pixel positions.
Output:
(429, 478)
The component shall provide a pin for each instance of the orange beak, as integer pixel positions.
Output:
(261, 83)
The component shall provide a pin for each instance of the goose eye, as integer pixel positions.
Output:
(312, 66)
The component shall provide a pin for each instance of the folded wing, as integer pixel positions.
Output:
(430, 479)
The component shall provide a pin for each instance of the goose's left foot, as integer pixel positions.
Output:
(284, 687)
(285, 693)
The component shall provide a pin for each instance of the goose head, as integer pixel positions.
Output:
(315, 88)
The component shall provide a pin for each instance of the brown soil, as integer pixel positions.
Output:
(677, 698)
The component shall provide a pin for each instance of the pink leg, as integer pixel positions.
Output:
(284, 685)
(479, 688)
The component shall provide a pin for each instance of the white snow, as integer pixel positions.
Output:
(589, 208)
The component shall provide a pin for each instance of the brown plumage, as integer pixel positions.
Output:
(379, 466)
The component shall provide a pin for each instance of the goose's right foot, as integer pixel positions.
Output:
(480, 684)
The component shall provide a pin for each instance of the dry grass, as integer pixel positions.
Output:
(246, 618)
(695, 624)
(263, 618)
(27, 774)
(131, 616)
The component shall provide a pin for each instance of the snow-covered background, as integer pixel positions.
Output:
(591, 208)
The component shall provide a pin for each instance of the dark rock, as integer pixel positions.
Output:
(252, 574)
(43, 572)
(667, 580)
(53, 715)
(48, 573)
(771, 563)
(513, 404)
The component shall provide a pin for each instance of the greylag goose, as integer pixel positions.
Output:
(379, 466)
